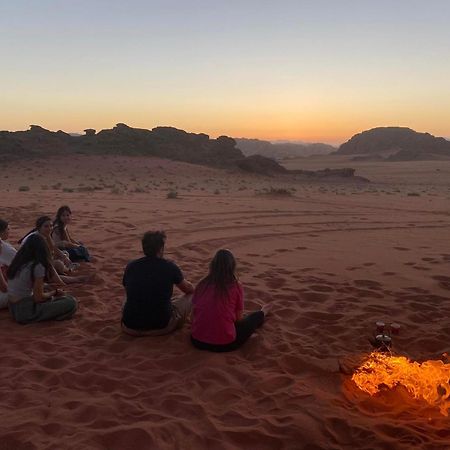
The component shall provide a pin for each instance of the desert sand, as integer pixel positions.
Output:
(331, 259)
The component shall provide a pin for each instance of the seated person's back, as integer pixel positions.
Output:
(149, 282)
(149, 285)
(215, 314)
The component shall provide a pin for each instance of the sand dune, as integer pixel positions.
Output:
(331, 260)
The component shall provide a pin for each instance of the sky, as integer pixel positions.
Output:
(317, 70)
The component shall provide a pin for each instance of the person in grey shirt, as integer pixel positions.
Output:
(28, 302)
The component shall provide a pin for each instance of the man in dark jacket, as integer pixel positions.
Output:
(149, 309)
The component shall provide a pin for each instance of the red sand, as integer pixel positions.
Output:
(331, 259)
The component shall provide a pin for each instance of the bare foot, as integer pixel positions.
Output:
(79, 279)
(266, 309)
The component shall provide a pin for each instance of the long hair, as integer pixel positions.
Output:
(3, 225)
(221, 274)
(35, 251)
(58, 223)
(39, 222)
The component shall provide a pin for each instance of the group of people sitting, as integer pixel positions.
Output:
(48, 256)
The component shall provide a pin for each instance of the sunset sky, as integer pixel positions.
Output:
(318, 70)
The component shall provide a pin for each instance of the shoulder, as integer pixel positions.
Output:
(27, 236)
(136, 263)
(39, 270)
(170, 263)
(7, 250)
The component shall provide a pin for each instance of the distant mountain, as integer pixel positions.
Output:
(281, 150)
(395, 144)
(163, 142)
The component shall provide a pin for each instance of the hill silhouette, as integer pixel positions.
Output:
(281, 150)
(395, 144)
(163, 142)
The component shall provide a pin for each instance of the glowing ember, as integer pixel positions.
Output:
(428, 380)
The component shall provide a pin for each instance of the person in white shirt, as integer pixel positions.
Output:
(7, 253)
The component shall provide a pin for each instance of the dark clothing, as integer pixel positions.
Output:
(244, 329)
(79, 253)
(148, 282)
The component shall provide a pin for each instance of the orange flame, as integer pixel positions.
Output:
(428, 380)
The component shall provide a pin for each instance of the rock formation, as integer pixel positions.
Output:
(395, 144)
(163, 142)
(280, 150)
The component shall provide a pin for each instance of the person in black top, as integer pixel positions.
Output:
(149, 309)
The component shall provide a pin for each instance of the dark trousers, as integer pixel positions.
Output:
(244, 329)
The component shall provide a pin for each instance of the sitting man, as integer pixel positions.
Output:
(7, 253)
(148, 281)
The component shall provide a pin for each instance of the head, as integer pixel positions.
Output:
(63, 215)
(4, 230)
(34, 250)
(44, 225)
(223, 264)
(222, 270)
(153, 243)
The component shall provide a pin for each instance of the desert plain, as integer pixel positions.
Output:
(331, 258)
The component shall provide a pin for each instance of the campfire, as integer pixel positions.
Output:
(428, 380)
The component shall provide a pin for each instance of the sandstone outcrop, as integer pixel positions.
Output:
(163, 142)
(396, 144)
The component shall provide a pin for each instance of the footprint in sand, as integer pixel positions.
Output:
(370, 284)
(275, 283)
(320, 288)
(322, 316)
(314, 297)
(307, 269)
(444, 281)
(416, 290)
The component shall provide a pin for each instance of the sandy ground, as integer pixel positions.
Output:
(331, 259)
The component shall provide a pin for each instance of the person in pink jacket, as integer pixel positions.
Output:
(218, 303)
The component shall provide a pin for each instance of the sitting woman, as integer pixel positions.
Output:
(27, 300)
(59, 259)
(218, 303)
(62, 238)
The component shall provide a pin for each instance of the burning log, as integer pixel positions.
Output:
(428, 380)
